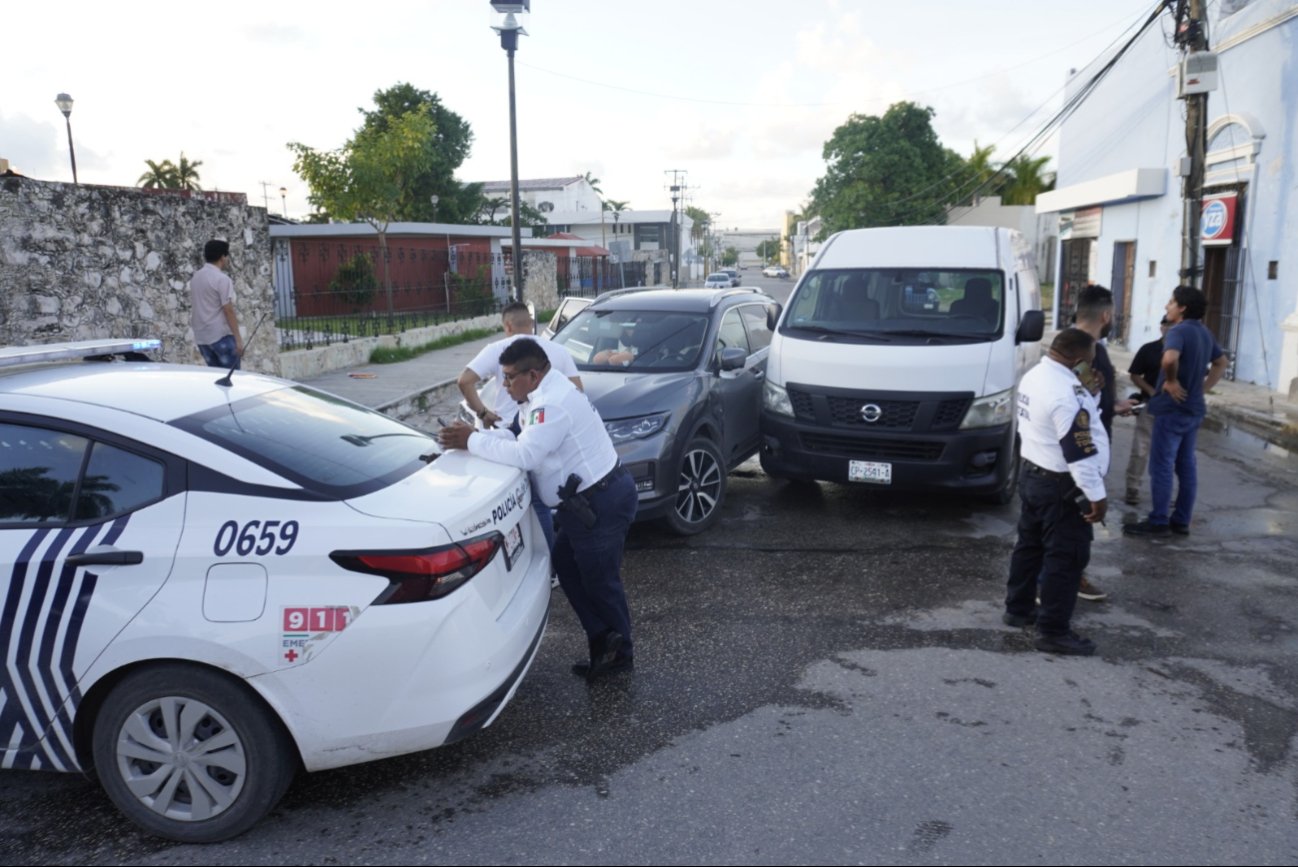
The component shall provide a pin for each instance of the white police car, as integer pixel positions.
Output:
(206, 585)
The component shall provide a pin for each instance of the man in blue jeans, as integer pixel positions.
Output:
(1192, 364)
(212, 316)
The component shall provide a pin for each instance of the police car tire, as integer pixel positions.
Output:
(701, 465)
(269, 756)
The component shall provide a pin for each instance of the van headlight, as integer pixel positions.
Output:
(776, 399)
(626, 429)
(990, 411)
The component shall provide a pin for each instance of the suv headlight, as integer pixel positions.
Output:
(776, 399)
(990, 411)
(626, 429)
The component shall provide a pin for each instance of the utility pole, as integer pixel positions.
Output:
(1192, 37)
(674, 243)
(265, 197)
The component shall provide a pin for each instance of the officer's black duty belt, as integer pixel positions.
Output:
(606, 481)
(1035, 470)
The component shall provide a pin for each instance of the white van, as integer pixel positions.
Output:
(896, 360)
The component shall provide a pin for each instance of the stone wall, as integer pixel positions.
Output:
(84, 262)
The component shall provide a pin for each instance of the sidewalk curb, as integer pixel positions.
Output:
(1271, 428)
(419, 400)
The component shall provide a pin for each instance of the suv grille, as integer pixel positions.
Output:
(897, 414)
(855, 448)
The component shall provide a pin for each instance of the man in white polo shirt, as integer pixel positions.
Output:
(215, 324)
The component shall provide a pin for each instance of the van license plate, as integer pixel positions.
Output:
(869, 471)
(513, 545)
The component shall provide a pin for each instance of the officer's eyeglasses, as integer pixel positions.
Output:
(510, 377)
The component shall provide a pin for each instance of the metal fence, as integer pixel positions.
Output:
(330, 292)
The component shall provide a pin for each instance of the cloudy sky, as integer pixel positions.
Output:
(742, 96)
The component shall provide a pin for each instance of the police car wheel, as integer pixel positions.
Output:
(700, 489)
(191, 755)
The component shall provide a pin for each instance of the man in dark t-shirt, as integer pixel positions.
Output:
(1192, 364)
(1144, 371)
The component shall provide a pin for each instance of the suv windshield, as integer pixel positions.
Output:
(638, 339)
(964, 304)
(318, 441)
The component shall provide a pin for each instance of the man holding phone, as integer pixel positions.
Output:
(1061, 491)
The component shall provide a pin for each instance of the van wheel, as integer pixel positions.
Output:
(1005, 495)
(190, 754)
(700, 489)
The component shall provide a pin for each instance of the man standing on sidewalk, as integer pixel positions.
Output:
(1144, 371)
(212, 316)
(1193, 363)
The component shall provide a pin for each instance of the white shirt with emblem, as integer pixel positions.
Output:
(1059, 427)
(486, 364)
(561, 434)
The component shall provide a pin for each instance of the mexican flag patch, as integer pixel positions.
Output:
(537, 416)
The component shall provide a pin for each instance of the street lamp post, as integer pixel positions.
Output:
(283, 198)
(64, 102)
(509, 31)
(433, 200)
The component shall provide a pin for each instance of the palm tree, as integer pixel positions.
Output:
(160, 176)
(594, 183)
(981, 170)
(490, 206)
(187, 173)
(1027, 180)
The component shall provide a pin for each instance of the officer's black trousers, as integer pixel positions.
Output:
(1053, 549)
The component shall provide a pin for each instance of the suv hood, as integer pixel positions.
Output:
(627, 395)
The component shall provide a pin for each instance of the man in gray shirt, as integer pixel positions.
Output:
(211, 293)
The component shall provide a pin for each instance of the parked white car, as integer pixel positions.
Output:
(210, 581)
(719, 280)
(775, 271)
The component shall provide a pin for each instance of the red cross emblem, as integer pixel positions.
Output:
(292, 655)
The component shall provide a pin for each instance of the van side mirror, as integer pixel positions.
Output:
(773, 312)
(733, 358)
(1031, 327)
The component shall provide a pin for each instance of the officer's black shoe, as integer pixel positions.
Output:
(1019, 621)
(1145, 528)
(589, 671)
(606, 656)
(1068, 644)
(1180, 529)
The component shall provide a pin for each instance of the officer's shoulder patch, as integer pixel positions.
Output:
(1078, 444)
(537, 416)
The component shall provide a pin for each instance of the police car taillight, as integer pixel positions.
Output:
(431, 573)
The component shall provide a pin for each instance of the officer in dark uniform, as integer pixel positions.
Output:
(563, 444)
(1061, 488)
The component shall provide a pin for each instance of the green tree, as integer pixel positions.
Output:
(354, 281)
(768, 251)
(885, 171)
(160, 176)
(187, 173)
(448, 143)
(1026, 180)
(982, 175)
(730, 256)
(370, 177)
(702, 223)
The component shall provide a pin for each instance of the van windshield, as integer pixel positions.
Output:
(902, 304)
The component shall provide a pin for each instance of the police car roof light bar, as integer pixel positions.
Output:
(11, 356)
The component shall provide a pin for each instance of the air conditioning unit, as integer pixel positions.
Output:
(1197, 74)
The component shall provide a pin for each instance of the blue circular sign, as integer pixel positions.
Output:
(1213, 223)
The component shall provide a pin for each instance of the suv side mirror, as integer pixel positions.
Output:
(733, 358)
(1031, 327)
(773, 312)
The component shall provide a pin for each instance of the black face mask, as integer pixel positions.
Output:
(1106, 330)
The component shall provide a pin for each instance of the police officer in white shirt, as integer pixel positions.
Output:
(517, 321)
(565, 447)
(1061, 489)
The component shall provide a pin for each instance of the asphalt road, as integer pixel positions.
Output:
(824, 678)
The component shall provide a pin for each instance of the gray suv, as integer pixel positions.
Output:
(677, 377)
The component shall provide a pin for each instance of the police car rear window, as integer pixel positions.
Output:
(320, 442)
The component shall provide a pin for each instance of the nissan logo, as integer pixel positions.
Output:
(871, 413)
